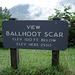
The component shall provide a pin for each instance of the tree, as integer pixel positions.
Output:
(4, 13)
(0, 12)
(70, 17)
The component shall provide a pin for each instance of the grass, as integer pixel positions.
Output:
(38, 62)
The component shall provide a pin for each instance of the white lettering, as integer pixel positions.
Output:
(56, 34)
(7, 33)
(47, 40)
(20, 44)
(33, 44)
(61, 34)
(37, 27)
(28, 39)
(45, 45)
(28, 33)
(28, 26)
(34, 34)
(33, 27)
(12, 33)
(53, 34)
(16, 39)
(48, 34)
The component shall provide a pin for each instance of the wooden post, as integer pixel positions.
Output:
(14, 55)
(55, 57)
(14, 58)
(55, 53)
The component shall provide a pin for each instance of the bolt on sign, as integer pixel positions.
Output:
(35, 34)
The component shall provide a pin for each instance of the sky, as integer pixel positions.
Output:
(41, 3)
(35, 6)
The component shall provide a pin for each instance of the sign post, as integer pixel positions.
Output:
(35, 34)
(14, 52)
(55, 57)
(55, 53)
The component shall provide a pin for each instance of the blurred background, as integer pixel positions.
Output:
(34, 9)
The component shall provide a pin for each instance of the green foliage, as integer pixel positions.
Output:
(0, 12)
(4, 13)
(1, 40)
(70, 17)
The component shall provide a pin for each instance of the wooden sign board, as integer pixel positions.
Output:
(35, 34)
